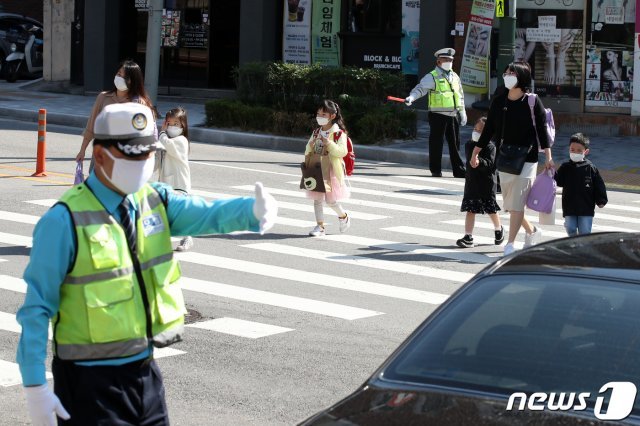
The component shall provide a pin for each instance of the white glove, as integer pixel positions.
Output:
(265, 209)
(43, 406)
(408, 100)
(463, 117)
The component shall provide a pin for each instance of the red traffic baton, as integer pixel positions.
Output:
(393, 98)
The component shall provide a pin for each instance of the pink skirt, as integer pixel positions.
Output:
(338, 192)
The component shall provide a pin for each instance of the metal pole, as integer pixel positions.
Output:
(152, 58)
(506, 39)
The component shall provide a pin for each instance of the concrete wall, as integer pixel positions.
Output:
(260, 33)
(58, 15)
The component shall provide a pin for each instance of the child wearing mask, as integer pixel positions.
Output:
(582, 188)
(480, 189)
(325, 150)
(173, 162)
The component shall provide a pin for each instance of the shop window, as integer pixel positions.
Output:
(609, 55)
(374, 16)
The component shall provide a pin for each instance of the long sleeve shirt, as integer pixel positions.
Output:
(174, 165)
(54, 249)
(428, 83)
(582, 188)
(518, 125)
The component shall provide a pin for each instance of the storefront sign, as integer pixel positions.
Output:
(552, 4)
(141, 5)
(194, 36)
(410, 43)
(474, 71)
(614, 15)
(296, 38)
(543, 35)
(324, 32)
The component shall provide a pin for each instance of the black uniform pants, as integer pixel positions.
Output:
(442, 126)
(118, 395)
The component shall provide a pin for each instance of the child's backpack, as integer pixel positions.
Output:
(549, 126)
(543, 192)
(350, 158)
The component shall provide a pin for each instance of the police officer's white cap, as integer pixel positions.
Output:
(447, 52)
(129, 126)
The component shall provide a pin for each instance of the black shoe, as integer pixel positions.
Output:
(465, 242)
(499, 236)
(436, 174)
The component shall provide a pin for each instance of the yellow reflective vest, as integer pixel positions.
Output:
(114, 304)
(445, 97)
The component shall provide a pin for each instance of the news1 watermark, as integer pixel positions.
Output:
(622, 396)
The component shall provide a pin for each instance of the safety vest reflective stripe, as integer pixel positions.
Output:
(100, 276)
(91, 218)
(156, 261)
(101, 350)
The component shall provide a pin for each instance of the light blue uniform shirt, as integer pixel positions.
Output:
(54, 250)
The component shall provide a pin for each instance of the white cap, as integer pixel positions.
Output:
(129, 125)
(447, 52)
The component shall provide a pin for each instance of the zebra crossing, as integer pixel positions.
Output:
(401, 249)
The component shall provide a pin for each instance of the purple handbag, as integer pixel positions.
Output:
(79, 176)
(543, 192)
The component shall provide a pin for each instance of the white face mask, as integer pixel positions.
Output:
(575, 157)
(510, 81)
(322, 121)
(446, 66)
(120, 83)
(475, 136)
(173, 131)
(128, 176)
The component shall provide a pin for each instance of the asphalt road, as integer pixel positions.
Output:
(285, 324)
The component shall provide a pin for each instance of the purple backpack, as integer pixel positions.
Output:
(543, 192)
(549, 124)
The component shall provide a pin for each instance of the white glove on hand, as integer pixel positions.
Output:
(463, 117)
(408, 100)
(43, 406)
(265, 209)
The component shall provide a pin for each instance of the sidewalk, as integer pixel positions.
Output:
(617, 158)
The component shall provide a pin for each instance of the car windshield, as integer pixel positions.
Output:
(528, 334)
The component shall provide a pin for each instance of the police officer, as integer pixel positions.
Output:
(446, 111)
(102, 271)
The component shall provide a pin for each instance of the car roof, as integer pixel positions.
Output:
(16, 16)
(609, 254)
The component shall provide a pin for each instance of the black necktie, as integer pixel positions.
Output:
(127, 224)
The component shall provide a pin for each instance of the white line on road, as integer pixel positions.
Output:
(10, 374)
(238, 327)
(443, 235)
(47, 202)
(384, 182)
(386, 265)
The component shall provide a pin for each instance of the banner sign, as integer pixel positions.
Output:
(635, 104)
(324, 32)
(474, 72)
(296, 35)
(410, 42)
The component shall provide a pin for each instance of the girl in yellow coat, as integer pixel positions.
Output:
(327, 147)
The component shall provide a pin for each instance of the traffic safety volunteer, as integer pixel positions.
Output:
(446, 111)
(102, 271)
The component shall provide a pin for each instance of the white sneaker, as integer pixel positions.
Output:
(344, 223)
(533, 238)
(318, 231)
(185, 244)
(508, 249)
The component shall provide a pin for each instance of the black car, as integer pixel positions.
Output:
(20, 35)
(549, 335)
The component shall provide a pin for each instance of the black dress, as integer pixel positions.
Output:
(480, 183)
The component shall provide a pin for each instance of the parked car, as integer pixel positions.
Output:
(21, 42)
(549, 335)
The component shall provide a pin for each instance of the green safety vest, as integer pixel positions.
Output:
(113, 304)
(445, 96)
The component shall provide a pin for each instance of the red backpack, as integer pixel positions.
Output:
(350, 158)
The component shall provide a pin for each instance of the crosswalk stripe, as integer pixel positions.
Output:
(46, 202)
(385, 265)
(364, 203)
(438, 181)
(487, 225)
(15, 240)
(312, 278)
(383, 182)
(444, 235)
(295, 206)
(10, 374)
(275, 299)
(241, 328)
(416, 249)
(19, 217)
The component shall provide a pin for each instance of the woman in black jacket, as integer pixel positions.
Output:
(510, 120)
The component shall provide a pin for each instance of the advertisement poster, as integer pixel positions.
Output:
(410, 42)
(296, 37)
(609, 77)
(635, 105)
(474, 72)
(324, 32)
(170, 29)
(549, 37)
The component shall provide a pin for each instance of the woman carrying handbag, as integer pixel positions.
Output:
(509, 119)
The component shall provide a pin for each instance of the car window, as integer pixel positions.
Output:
(529, 334)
